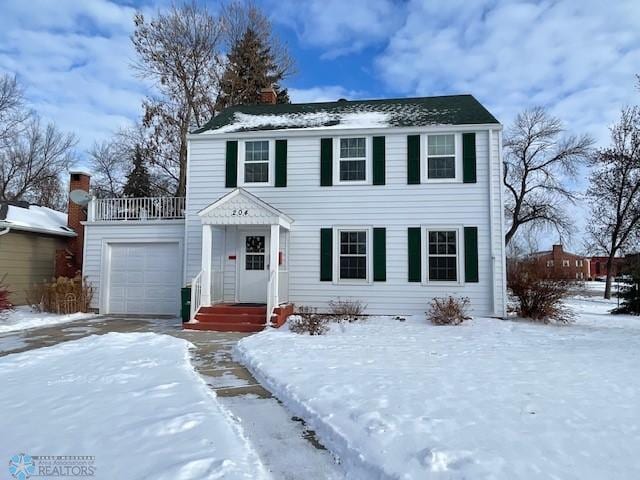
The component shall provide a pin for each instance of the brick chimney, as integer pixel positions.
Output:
(557, 249)
(79, 180)
(268, 96)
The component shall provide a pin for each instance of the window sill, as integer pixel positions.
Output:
(352, 282)
(443, 283)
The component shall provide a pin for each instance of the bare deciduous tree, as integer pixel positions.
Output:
(538, 161)
(179, 51)
(614, 191)
(30, 164)
(13, 113)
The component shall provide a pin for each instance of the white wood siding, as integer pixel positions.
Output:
(97, 235)
(395, 206)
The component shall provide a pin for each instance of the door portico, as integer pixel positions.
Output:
(257, 246)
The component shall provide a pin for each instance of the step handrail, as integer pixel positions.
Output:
(196, 295)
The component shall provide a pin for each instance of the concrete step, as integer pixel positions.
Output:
(234, 309)
(224, 327)
(231, 318)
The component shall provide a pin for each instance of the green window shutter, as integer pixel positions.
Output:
(326, 162)
(415, 254)
(281, 163)
(231, 165)
(378, 160)
(379, 254)
(326, 254)
(470, 254)
(413, 159)
(469, 157)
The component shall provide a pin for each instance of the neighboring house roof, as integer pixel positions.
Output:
(33, 218)
(395, 112)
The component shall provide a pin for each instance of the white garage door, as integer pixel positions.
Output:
(144, 278)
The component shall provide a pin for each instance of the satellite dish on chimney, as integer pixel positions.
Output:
(80, 197)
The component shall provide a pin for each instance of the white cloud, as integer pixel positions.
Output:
(578, 58)
(73, 58)
(339, 26)
(329, 93)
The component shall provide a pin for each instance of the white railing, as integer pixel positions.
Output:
(196, 294)
(271, 297)
(138, 209)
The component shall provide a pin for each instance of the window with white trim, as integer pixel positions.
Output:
(565, 263)
(549, 263)
(352, 253)
(441, 156)
(256, 161)
(352, 159)
(442, 255)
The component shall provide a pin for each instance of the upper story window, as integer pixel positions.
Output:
(443, 159)
(256, 161)
(442, 255)
(565, 263)
(352, 160)
(549, 263)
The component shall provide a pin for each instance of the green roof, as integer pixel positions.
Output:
(395, 112)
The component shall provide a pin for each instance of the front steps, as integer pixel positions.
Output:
(230, 317)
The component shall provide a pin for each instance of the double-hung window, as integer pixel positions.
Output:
(352, 248)
(256, 161)
(442, 255)
(352, 159)
(441, 157)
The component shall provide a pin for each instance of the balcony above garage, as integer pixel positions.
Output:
(141, 209)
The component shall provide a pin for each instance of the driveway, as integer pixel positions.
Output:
(287, 447)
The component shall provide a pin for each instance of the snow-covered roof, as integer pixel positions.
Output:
(356, 114)
(34, 218)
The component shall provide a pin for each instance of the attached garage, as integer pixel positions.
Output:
(143, 278)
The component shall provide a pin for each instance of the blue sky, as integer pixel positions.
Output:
(578, 58)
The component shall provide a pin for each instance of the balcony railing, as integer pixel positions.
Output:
(136, 209)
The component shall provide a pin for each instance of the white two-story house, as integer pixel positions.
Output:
(391, 202)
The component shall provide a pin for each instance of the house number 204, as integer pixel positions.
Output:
(239, 213)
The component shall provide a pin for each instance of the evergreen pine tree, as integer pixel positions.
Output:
(138, 181)
(630, 293)
(251, 67)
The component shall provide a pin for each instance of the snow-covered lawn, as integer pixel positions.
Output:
(23, 318)
(131, 400)
(488, 399)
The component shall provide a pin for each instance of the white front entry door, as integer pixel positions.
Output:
(254, 266)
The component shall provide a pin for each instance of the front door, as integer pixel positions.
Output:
(254, 266)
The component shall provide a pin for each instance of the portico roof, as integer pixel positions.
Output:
(239, 207)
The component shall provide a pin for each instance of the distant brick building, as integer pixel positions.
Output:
(599, 266)
(563, 265)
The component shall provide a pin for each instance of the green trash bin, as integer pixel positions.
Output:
(186, 303)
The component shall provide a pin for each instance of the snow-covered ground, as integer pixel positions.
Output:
(23, 318)
(131, 400)
(488, 399)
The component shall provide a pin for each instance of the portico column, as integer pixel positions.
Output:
(274, 248)
(207, 245)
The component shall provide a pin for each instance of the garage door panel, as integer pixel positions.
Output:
(144, 278)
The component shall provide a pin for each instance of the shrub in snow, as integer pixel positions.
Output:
(348, 310)
(5, 304)
(62, 295)
(538, 297)
(308, 321)
(448, 311)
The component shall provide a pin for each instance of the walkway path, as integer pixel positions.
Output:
(286, 446)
